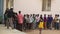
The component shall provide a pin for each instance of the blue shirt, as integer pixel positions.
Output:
(49, 19)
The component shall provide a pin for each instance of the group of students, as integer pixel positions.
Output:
(30, 21)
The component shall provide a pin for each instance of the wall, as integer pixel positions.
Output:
(1, 10)
(35, 6)
(4, 6)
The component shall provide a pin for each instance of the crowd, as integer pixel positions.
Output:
(30, 21)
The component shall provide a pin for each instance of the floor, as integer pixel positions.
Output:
(4, 30)
(44, 32)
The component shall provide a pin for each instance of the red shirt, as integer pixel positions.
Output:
(20, 18)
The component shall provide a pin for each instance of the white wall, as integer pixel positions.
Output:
(35, 6)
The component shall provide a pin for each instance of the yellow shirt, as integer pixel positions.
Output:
(41, 25)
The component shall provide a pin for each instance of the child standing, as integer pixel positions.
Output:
(37, 20)
(56, 22)
(45, 20)
(41, 24)
(49, 21)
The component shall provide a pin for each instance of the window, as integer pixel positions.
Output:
(46, 5)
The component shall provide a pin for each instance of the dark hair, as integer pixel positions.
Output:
(19, 11)
(44, 14)
(11, 8)
(40, 15)
(16, 13)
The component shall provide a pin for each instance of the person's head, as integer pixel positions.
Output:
(19, 12)
(30, 15)
(27, 15)
(33, 15)
(40, 15)
(48, 15)
(16, 13)
(44, 15)
(56, 15)
(11, 9)
(24, 15)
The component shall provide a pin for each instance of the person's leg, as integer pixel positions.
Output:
(7, 23)
(25, 26)
(50, 26)
(30, 26)
(36, 24)
(22, 27)
(33, 26)
(15, 23)
(44, 25)
(47, 25)
(57, 26)
(11, 23)
(40, 30)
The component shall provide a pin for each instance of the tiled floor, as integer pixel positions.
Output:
(4, 30)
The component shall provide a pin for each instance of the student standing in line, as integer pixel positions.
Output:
(37, 20)
(56, 22)
(31, 21)
(5, 16)
(20, 21)
(27, 21)
(41, 24)
(15, 20)
(10, 18)
(49, 21)
(24, 22)
(34, 21)
(45, 20)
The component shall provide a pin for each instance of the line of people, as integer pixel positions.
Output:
(30, 21)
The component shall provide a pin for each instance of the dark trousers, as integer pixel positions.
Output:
(57, 26)
(15, 24)
(24, 26)
(48, 25)
(5, 22)
(29, 25)
(20, 27)
(37, 23)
